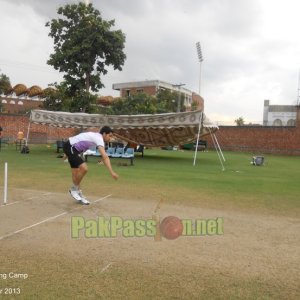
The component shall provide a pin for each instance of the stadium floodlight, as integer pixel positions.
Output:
(199, 52)
(200, 58)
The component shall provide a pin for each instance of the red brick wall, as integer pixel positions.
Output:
(12, 124)
(280, 140)
(150, 90)
(260, 139)
(199, 100)
(28, 104)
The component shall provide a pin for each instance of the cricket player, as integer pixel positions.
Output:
(78, 144)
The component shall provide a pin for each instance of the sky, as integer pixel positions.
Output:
(251, 48)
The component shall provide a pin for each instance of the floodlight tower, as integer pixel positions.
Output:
(200, 58)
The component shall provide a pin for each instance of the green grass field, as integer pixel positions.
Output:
(171, 175)
(256, 258)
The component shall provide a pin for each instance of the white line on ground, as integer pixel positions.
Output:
(106, 267)
(100, 199)
(33, 225)
(45, 194)
(49, 219)
(3, 205)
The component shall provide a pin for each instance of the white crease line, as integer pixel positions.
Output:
(3, 205)
(31, 198)
(33, 225)
(45, 194)
(101, 199)
(48, 219)
(106, 267)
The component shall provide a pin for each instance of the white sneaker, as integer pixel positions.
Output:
(83, 199)
(75, 194)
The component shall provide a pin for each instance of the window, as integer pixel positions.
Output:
(20, 102)
(4, 101)
(291, 122)
(127, 93)
(277, 122)
(12, 102)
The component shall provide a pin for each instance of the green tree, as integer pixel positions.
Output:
(82, 101)
(140, 103)
(5, 85)
(240, 121)
(167, 101)
(194, 106)
(59, 98)
(84, 47)
(55, 98)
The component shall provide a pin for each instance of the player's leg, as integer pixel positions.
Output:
(79, 169)
(77, 176)
(79, 173)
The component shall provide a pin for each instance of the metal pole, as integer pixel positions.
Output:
(179, 99)
(218, 145)
(200, 75)
(198, 136)
(217, 150)
(298, 96)
(5, 183)
(200, 58)
(27, 135)
(179, 95)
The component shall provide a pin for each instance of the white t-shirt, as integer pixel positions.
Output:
(86, 140)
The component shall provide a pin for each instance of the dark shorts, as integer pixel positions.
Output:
(74, 157)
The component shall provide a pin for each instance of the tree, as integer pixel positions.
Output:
(55, 98)
(168, 101)
(240, 121)
(84, 46)
(140, 103)
(83, 101)
(194, 105)
(5, 85)
(59, 98)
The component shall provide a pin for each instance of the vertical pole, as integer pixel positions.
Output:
(198, 135)
(27, 136)
(298, 95)
(5, 183)
(200, 58)
(218, 145)
(178, 100)
(211, 134)
(200, 77)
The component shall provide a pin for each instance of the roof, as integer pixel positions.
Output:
(147, 83)
(282, 108)
(149, 130)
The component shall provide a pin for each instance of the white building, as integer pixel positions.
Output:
(279, 115)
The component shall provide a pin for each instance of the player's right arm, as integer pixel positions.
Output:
(107, 163)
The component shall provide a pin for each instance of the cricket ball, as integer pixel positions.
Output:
(171, 227)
